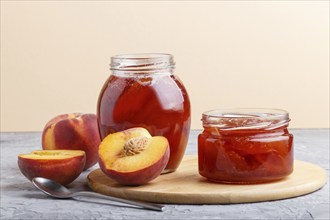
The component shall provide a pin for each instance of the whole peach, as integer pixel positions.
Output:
(74, 131)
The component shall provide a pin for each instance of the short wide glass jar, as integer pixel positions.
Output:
(245, 146)
(142, 91)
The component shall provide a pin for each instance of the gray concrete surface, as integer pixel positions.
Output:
(20, 200)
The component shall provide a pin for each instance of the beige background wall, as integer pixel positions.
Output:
(275, 54)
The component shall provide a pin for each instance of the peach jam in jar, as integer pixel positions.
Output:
(143, 91)
(245, 146)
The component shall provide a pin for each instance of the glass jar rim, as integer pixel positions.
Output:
(142, 62)
(137, 56)
(246, 118)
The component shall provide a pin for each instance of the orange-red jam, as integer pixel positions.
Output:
(245, 146)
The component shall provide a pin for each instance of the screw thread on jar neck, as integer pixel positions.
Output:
(146, 63)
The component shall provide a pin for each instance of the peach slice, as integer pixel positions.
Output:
(63, 166)
(133, 156)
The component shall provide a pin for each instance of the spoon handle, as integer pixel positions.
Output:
(90, 195)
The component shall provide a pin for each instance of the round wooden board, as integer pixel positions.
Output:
(186, 186)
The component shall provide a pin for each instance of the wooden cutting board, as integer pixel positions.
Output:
(186, 186)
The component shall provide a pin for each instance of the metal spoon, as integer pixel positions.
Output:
(57, 190)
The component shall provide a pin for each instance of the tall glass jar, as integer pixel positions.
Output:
(245, 145)
(142, 91)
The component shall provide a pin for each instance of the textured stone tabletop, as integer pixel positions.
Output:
(20, 200)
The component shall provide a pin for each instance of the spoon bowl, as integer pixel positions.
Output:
(52, 188)
(59, 191)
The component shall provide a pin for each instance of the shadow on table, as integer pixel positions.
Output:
(25, 186)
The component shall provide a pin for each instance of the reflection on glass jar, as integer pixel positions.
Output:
(143, 92)
(245, 145)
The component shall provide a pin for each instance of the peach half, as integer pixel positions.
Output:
(133, 156)
(62, 166)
